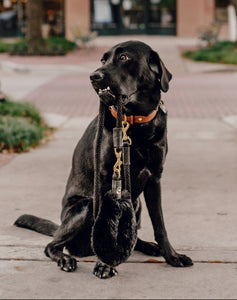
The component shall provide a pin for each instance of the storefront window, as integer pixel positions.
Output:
(134, 16)
(221, 10)
(13, 18)
(162, 13)
(8, 18)
(105, 14)
(53, 18)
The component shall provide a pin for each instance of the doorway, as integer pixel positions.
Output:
(111, 17)
(133, 16)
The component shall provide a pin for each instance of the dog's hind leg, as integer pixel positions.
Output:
(77, 221)
(65, 262)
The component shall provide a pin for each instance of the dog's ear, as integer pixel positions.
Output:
(158, 67)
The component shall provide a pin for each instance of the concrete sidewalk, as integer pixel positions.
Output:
(199, 201)
(199, 204)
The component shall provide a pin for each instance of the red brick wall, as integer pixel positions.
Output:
(191, 14)
(76, 12)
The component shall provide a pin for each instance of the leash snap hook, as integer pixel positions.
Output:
(125, 127)
(117, 165)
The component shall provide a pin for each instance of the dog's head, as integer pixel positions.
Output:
(133, 71)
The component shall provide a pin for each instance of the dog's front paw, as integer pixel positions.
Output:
(179, 260)
(104, 271)
(67, 263)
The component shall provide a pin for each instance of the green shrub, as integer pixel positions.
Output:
(4, 47)
(21, 126)
(231, 58)
(52, 46)
(61, 43)
(222, 52)
(18, 134)
(21, 109)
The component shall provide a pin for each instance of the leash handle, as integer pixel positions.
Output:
(97, 154)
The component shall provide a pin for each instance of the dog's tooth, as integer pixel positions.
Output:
(108, 88)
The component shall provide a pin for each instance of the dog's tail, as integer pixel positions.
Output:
(37, 224)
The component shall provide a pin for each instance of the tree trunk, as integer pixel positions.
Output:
(34, 22)
(232, 23)
(234, 3)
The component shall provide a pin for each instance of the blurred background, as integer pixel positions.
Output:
(180, 18)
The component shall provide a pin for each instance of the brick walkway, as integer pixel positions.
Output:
(210, 95)
(75, 57)
(5, 158)
(198, 95)
(206, 95)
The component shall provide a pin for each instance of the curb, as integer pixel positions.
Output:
(231, 120)
(54, 120)
(16, 67)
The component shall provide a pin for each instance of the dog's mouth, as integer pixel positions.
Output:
(107, 95)
(106, 92)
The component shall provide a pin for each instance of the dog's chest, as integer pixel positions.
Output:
(139, 162)
(147, 159)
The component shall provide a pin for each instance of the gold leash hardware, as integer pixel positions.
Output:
(118, 154)
(117, 165)
(125, 126)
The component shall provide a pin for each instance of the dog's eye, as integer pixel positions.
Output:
(123, 57)
(103, 61)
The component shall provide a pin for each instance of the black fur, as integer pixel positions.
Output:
(135, 72)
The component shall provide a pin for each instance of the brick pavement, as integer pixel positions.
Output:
(69, 94)
(72, 58)
(196, 95)
(5, 158)
(210, 95)
(200, 95)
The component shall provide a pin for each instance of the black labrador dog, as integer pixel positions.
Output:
(133, 71)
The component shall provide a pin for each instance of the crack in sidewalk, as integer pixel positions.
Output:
(153, 261)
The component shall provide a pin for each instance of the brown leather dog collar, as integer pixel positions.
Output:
(135, 119)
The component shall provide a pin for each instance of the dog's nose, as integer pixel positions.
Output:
(96, 76)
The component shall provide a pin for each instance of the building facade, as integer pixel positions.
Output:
(115, 17)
